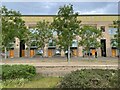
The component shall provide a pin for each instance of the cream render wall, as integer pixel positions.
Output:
(16, 47)
(83, 18)
(98, 20)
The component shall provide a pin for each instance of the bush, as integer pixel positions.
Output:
(93, 78)
(17, 71)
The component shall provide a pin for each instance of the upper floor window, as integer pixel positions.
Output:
(114, 43)
(74, 43)
(52, 43)
(112, 30)
(102, 28)
(54, 33)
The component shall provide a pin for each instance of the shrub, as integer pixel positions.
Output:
(17, 71)
(93, 78)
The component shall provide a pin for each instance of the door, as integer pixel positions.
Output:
(113, 52)
(93, 52)
(23, 53)
(11, 53)
(32, 53)
(22, 49)
(103, 47)
(74, 52)
(49, 52)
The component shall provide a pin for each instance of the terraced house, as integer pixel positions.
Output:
(103, 22)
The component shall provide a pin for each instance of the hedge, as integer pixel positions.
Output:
(90, 78)
(18, 71)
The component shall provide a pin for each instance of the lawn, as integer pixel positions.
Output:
(88, 78)
(36, 82)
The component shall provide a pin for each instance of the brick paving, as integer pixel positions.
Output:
(58, 66)
(62, 61)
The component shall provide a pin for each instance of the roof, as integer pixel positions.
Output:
(80, 15)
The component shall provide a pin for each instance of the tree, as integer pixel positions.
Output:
(117, 35)
(43, 34)
(12, 26)
(8, 31)
(22, 30)
(29, 39)
(89, 36)
(67, 26)
(0, 31)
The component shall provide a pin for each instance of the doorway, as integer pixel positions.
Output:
(11, 52)
(22, 49)
(114, 51)
(103, 47)
(50, 52)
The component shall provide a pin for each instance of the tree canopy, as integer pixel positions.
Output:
(43, 33)
(67, 26)
(89, 37)
(117, 35)
(12, 26)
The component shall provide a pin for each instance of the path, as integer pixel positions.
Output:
(58, 66)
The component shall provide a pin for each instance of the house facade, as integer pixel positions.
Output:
(103, 22)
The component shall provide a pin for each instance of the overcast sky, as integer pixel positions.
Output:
(51, 8)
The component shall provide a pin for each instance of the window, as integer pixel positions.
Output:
(54, 33)
(114, 43)
(74, 43)
(102, 28)
(52, 43)
(33, 43)
(32, 30)
(112, 30)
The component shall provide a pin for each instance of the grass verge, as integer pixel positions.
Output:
(37, 82)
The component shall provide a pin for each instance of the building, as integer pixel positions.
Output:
(104, 22)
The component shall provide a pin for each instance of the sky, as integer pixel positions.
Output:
(51, 8)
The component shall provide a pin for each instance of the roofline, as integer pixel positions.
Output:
(79, 15)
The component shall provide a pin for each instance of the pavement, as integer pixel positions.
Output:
(62, 61)
(59, 66)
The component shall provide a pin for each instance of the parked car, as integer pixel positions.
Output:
(40, 52)
(57, 52)
(3, 54)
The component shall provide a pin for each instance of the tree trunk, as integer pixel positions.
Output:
(5, 53)
(68, 54)
(43, 51)
(89, 54)
(28, 52)
(44, 55)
